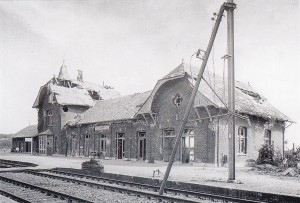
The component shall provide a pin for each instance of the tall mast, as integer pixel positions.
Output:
(231, 89)
(191, 100)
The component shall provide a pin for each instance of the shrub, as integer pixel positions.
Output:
(265, 155)
(292, 157)
(92, 166)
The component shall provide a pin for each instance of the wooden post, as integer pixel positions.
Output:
(191, 101)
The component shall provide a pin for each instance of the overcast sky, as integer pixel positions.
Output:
(131, 44)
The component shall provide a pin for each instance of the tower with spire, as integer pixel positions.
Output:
(59, 102)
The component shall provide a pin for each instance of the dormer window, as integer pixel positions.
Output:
(177, 100)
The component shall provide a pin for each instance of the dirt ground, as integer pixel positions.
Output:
(205, 174)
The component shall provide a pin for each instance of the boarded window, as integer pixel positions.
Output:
(242, 138)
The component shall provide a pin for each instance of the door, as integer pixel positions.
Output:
(188, 145)
(28, 147)
(168, 144)
(87, 145)
(49, 150)
(142, 146)
(55, 145)
(121, 145)
(42, 144)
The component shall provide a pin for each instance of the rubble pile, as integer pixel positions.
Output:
(277, 170)
(92, 166)
(270, 162)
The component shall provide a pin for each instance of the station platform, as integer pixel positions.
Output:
(200, 173)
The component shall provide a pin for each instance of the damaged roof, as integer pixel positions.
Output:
(29, 131)
(105, 93)
(76, 93)
(71, 96)
(247, 100)
(121, 108)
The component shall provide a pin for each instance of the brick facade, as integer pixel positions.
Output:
(210, 134)
(149, 134)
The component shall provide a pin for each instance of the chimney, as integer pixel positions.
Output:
(79, 76)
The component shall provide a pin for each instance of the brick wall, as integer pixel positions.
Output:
(255, 136)
(169, 117)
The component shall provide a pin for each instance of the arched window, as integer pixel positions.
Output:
(50, 118)
(242, 139)
(177, 100)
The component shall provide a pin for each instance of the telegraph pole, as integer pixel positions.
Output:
(191, 101)
(231, 91)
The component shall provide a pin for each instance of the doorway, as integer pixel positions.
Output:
(142, 146)
(87, 145)
(188, 146)
(120, 145)
(168, 144)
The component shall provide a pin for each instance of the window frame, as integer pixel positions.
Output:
(242, 139)
(177, 100)
(49, 117)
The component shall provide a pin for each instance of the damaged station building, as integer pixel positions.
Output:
(83, 119)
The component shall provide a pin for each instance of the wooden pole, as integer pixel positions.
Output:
(191, 101)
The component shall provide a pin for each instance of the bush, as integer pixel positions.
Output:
(92, 166)
(292, 158)
(266, 155)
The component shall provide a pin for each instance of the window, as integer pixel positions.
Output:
(87, 136)
(42, 144)
(242, 138)
(189, 132)
(177, 100)
(50, 117)
(267, 137)
(169, 133)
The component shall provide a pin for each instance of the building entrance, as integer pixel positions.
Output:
(188, 144)
(142, 146)
(168, 144)
(121, 145)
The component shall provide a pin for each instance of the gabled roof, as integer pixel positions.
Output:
(28, 131)
(121, 108)
(248, 100)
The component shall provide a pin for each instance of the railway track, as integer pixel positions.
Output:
(67, 186)
(149, 191)
(50, 184)
(14, 164)
(28, 193)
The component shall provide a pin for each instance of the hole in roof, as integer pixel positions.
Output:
(65, 109)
